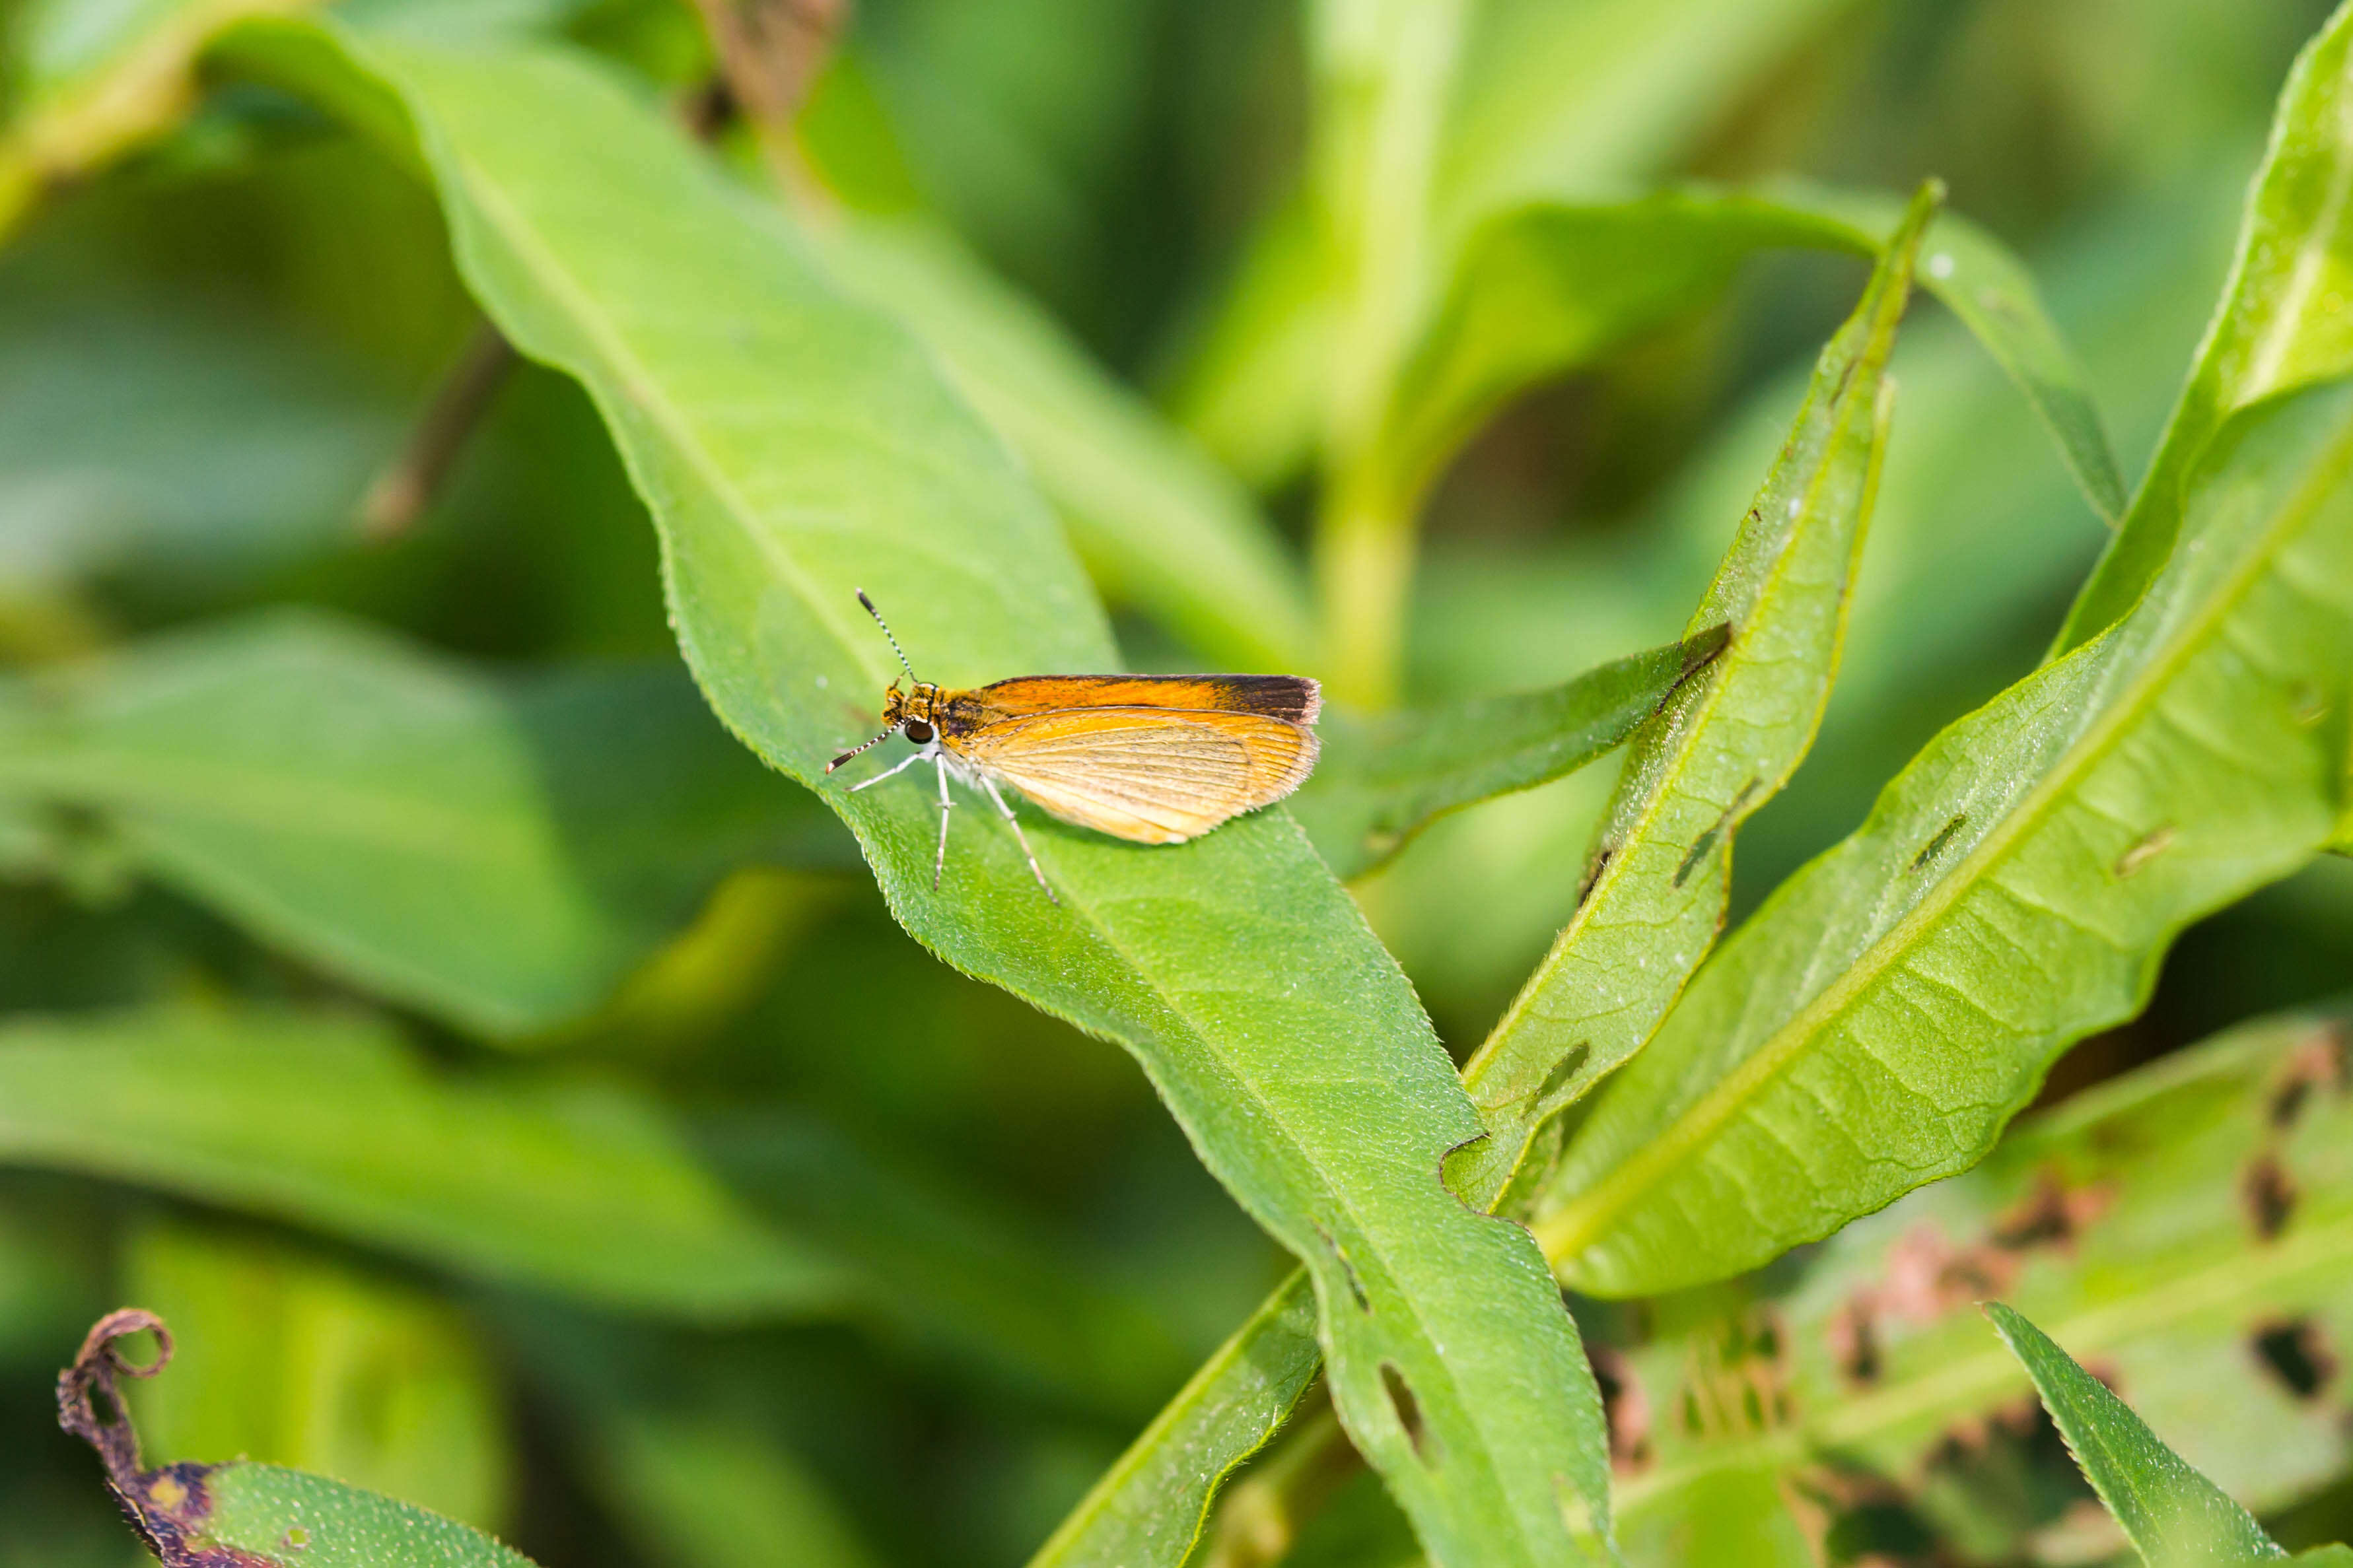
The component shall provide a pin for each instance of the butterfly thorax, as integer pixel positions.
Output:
(928, 707)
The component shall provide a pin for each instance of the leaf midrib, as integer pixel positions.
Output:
(1569, 1230)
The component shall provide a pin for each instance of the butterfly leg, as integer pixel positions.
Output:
(886, 772)
(1019, 837)
(940, 861)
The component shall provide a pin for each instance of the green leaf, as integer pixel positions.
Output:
(2121, 1219)
(2336, 1556)
(1555, 284)
(1897, 1001)
(499, 852)
(1697, 767)
(2280, 324)
(1151, 1506)
(278, 1518)
(295, 1360)
(792, 446)
(2176, 1517)
(1381, 780)
(325, 1123)
(1157, 522)
(1659, 876)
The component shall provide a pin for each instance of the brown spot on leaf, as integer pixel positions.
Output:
(2322, 1062)
(2148, 849)
(1927, 1276)
(2297, 1353)
(2270, 1195)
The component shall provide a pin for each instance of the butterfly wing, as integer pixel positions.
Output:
(1149, 774)
(1294, 699)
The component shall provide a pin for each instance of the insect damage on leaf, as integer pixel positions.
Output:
(170, 1506)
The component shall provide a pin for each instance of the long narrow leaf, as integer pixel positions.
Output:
(2176, 1517)
(1897, 1001)
(2280, 324)
(325, 1123)
(1382, 779)
(792, 447)
(1657, 883)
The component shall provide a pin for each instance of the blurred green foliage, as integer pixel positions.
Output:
(523, 1102)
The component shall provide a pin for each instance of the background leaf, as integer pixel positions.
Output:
(323, 1121)
(2122, 1219)
(501, 852)
(2173, 1514)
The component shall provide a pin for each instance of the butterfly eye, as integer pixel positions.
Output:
(919, 732)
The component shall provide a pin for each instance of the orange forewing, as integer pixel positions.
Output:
(1153, 774)
(1291, 698)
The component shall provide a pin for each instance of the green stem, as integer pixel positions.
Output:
(1364, 551)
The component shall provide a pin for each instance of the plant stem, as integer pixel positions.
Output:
(400, 494)
(1364, 551)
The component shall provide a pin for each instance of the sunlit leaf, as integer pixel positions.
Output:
(1898, 1000)
(793, 445)
(1657, 880)
(2176, 1517)
(1379, 781)
(500, 851)
(2280, 323)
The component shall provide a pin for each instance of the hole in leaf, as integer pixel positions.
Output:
(2294, 1353)
(1564, 1070)
(1936, 847)
(2270, 1195)
(1408, 1411)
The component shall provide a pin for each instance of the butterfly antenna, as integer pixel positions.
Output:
(886, 633)
(856, 750)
